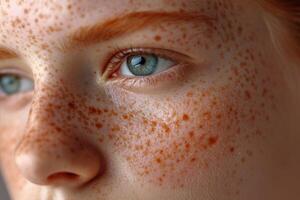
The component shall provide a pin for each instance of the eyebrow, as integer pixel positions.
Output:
(126, 24)
(7, 54)
(118, 26)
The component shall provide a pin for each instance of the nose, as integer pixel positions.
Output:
(54, 165)
(54, 153)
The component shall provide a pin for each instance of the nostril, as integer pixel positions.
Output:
(63, 176)
(71, 170)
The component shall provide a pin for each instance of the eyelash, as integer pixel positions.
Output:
(173, 73)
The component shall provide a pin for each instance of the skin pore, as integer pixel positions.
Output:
(218, 123)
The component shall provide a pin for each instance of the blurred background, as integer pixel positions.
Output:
(3, 192)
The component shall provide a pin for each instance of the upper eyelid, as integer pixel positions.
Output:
(16, 66)
(14, 70)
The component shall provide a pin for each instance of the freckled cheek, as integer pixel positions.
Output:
(161, 152)
(209, 125)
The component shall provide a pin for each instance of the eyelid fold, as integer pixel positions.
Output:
(16, 71)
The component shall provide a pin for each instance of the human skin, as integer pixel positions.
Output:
(219, 124)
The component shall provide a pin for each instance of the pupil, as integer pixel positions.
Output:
(142, 65)
(138, 60)
(10, 84)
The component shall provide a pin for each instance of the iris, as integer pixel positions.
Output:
(142, 65)
(10, 84)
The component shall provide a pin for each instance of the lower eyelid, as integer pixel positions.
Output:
(17, 101)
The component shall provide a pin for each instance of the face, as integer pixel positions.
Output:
(148, 100)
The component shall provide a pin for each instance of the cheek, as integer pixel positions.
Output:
(166, 151)
(207, 125)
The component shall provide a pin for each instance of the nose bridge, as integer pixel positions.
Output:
(50, 103)
(62, 89)
(54, 113)
(44, 125)
(54, 150)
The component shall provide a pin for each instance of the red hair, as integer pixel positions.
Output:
(287, 12)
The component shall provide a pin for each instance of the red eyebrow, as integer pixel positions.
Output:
(7, 54)
(126, 24)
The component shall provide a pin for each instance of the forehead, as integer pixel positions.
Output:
(30, 24)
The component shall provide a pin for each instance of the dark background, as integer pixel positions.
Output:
(3, 192)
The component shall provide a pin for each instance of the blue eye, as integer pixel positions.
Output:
(11, 84)
(144, 65)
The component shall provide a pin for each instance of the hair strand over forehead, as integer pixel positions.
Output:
(288, 12)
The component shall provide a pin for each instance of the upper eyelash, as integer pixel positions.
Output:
(122, 54)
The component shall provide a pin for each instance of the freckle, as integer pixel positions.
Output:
(249, 153)
(101, 140)
(160, 179)
(69, 7)
(115, 128)
(267, 118)
(110, 136)
(98, 125)
(161, 151)
(72, 105)
(185, 117)
(212, 140)
(243, 160)
(231, 149)
(189, 94)
(125, 116)
(166, 128)
(187, 145)
(191, 134)
(148, 143)
(114, 113)
(153, 124)
(177, 123)
(158, 160)
(243, 64)
(145, 121)
(247, 94)
(26, 11)
(128, 158)
(207, 115)
(157, 38)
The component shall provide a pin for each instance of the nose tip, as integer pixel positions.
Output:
(65, 170)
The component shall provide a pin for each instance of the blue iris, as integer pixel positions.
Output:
(10, 84)
(142, 65)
